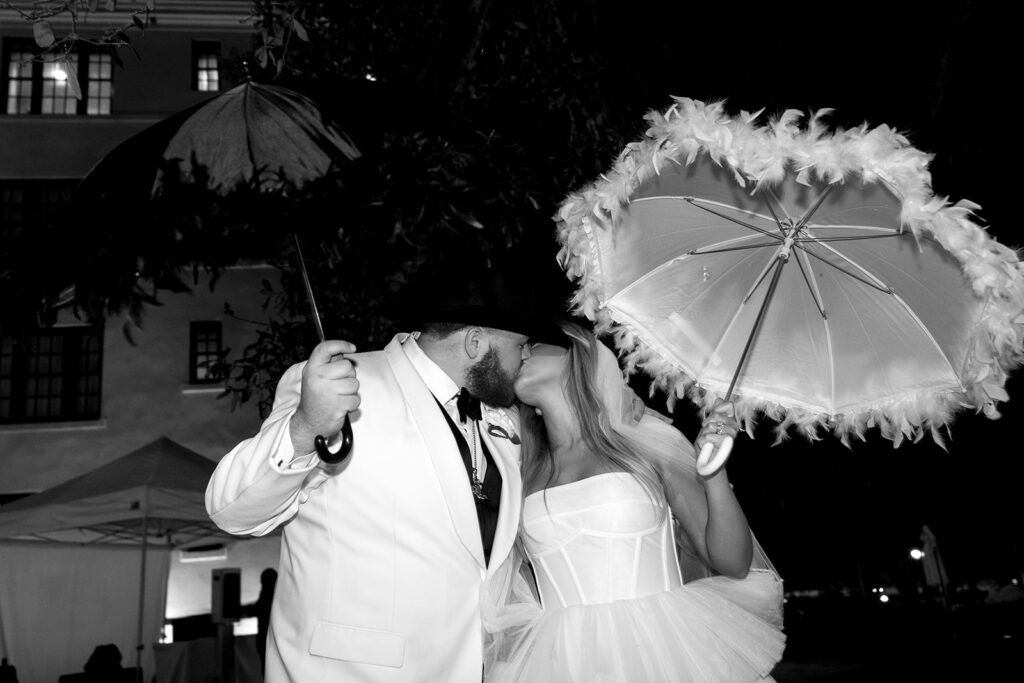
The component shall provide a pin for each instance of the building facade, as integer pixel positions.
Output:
(79, 396)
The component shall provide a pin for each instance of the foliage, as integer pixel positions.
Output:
(473, 125)
(55, 45)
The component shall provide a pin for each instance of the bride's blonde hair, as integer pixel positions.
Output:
(588, 363)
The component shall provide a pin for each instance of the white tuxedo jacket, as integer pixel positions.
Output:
(381, 558)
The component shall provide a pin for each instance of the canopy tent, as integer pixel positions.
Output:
(162, 484)
(60, 599)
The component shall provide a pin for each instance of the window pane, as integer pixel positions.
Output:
(206, 68)
(21, 65)
(100, 88)
(19, 84)
(48, 378)
(58, 97)
(204, 350)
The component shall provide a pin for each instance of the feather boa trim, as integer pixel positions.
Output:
(761, 155)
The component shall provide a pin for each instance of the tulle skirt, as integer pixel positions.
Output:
(698, 632)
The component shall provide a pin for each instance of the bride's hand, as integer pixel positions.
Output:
(720, 423)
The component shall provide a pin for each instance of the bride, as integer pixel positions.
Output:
(615, 519)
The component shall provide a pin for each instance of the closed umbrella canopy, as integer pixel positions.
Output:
(256, 137)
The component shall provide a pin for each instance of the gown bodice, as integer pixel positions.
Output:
(600, 539)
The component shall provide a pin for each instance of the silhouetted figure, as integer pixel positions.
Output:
(103, 666)
(8, 674)
(105, 660)
(268, 581)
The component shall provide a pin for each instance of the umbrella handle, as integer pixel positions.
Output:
(320, 444)
(711, 459)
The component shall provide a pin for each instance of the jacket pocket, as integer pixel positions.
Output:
(362, 645)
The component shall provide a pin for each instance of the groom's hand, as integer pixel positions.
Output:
(330, 391)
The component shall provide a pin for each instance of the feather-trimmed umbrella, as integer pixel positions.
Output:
(803, 273)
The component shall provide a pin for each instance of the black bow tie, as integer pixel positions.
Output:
(468, 405)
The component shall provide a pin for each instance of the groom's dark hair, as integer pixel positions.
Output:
(441, 330)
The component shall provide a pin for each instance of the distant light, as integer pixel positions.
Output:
(248, 626)
(370, 77)
(214, 552)
(874, 590)
(881, 590)
(883, 598)
(1014, 581)
(916, 553)
(59, 74)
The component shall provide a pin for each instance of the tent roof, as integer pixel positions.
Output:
(163, 482)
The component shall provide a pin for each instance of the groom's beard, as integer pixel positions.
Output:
(490, 383)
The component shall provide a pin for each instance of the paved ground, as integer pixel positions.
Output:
(907, 645)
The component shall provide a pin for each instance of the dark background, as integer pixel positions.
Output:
(484, 114)
(557, 89)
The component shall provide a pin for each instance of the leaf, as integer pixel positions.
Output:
(150, 5)
(138, 22)
(466, 218)
(111, 5)
(300, 30)
(43, 34)
(262, 55)
(127, 329)
(69, 69)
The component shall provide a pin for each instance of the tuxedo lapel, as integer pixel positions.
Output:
(506, 458)
(443, 451)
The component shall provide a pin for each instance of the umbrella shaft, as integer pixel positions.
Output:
(779, 263)
(314, 313)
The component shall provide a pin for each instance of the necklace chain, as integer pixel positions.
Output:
(477, 485)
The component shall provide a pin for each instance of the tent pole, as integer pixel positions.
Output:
(142, 592)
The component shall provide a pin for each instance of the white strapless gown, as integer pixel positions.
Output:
(615, 606)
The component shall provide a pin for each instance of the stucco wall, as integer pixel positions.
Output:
(146, 393)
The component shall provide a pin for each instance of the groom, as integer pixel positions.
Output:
(383, 555)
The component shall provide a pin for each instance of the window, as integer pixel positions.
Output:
(35, 87)
(19, 82)
(52, 375)
(204, 351)
(205, 66)
(29, 204)
(100, 89)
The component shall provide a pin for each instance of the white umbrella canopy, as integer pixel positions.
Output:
(805, 274)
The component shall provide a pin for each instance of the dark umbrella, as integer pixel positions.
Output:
(255, 136)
